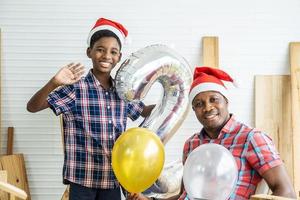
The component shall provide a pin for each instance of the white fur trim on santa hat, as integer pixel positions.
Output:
(203, 87)
(116, 31)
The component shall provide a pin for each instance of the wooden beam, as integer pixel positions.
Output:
(210, 49)
(295, 91)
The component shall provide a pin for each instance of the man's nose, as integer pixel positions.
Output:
(207, 106)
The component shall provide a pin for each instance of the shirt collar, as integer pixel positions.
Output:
(93, 81)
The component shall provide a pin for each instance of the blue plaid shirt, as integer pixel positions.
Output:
(93, 119)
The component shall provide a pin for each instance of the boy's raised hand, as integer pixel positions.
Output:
(69, 74)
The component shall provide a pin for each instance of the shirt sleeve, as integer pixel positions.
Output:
(134, 110)
(62, 100)
(262, 154)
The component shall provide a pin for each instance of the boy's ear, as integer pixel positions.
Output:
(88, 52)
(120, 57)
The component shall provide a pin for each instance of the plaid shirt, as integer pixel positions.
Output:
(253, 151)
(93, 119)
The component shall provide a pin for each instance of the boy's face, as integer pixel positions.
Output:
(105, 54)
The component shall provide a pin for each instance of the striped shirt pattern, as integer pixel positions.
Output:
(254, 153)
(93, 119)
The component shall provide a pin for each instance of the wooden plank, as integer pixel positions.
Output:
(10, 139)
(273, 114)
(295, 87)
(16, 171)
(210, 49)
(66, 194)
(267, 197)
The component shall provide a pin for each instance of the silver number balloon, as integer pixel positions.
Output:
(137, 74)
(210, 172)
(157, 63)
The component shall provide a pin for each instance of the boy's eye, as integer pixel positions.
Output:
(114, 53)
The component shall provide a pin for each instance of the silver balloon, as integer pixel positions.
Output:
(157, 63)
(169, 182)
(210, 172)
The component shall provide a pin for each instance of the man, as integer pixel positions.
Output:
(254, 151)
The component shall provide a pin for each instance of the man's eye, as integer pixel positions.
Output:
(198, 105)
(214, 99)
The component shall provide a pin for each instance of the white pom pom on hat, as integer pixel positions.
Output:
(106, 24)
(209, 79)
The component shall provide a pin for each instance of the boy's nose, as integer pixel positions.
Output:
(107, 55)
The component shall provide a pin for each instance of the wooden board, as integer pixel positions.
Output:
(3, 178)
(16, 171)
(295, 87)
(273, 114)
(0, 91)
(210, 49)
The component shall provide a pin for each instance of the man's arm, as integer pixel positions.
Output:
(279, 182)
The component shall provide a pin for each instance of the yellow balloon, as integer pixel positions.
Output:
(137, 159)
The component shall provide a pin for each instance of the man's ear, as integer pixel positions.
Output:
(88, 52)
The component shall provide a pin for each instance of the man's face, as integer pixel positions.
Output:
(211, 109)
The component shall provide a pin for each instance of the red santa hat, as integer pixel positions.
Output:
(209, 79)
(106, 24)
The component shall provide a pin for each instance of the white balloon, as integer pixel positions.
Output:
(210, 172)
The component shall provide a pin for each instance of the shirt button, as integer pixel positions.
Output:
(109, 121)
(108, 107)
(110, 136)
(106, 93)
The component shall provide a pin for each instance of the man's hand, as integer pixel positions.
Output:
(68, 74)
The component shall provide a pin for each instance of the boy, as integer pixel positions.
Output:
(93, 114)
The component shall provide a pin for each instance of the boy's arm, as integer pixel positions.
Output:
(147, 110)
(65, 76)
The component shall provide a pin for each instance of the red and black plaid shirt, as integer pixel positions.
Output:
(93, 119)
(253, 151)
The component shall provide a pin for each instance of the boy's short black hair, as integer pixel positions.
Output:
(103, 33)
